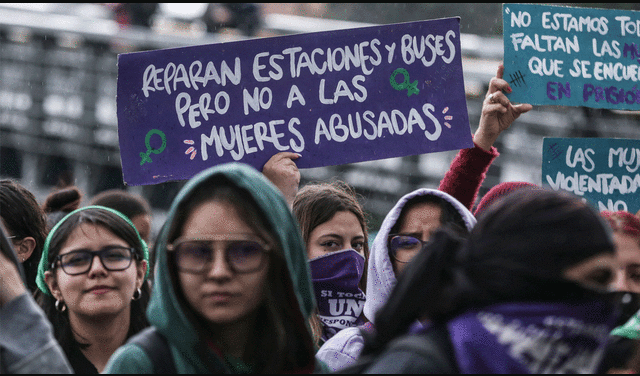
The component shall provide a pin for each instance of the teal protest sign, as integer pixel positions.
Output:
(572, 56)
(604, 171)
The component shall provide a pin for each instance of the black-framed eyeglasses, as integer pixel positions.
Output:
(404, 247)
(113, 258)
(244, 253)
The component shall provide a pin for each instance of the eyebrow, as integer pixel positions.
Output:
(87, 249)
(340, 236)
(416, 235)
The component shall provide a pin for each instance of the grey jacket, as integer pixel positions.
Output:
(27, 344)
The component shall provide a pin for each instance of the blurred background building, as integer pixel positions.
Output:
(58, 72)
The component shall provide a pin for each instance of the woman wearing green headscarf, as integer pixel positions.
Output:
(92, 286)
(232, 290)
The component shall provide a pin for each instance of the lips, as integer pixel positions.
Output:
(221, 296)
(99, 290)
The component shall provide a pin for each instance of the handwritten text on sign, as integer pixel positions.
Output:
(605, 171)
(334, 97)
(572, 56)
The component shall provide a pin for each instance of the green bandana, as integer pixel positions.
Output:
(631, 329)
(43, 266)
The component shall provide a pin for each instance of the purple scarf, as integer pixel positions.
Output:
(532, 337)
(335, 283)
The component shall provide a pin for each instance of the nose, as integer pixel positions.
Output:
(620, 281)
(97, 267)
(219, 268)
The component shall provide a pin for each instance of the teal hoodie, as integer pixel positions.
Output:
(190, 353)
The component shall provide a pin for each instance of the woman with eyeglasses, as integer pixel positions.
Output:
(232, 292)
(405, 231)
(91, 281)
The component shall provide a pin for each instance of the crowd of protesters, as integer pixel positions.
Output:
(251, 273)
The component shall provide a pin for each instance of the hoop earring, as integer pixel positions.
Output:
(137, 294)
(60, 306)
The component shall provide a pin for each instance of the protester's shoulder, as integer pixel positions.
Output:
(402, 361)
(428, 352)
(26, 340)
(129, 358)
(347, 339)
(342, 349)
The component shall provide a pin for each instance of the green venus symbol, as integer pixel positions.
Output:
(144, 156)
(412, 87)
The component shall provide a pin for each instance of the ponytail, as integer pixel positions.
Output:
(419, 290)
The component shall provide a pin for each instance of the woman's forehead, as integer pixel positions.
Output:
(88, 235)
(419, 216)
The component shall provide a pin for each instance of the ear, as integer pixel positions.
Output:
(51, 281)
(25, 249)
(141, 271)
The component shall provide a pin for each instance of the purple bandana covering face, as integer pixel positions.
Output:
(335, 282)
(532, 337)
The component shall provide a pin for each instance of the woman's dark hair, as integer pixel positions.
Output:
(60, 203)
(23, 217)
(126, 203)
(517, 251)
(419, 286)
(278, 345)
(118, 226)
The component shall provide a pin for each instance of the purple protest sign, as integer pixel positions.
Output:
(334, 97)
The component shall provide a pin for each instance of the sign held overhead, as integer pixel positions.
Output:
(572, 56)
(334, 97)
(604, 171)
